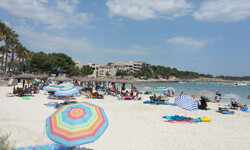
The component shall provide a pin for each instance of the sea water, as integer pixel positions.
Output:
(191, 88)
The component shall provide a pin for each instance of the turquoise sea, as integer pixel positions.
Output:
(190, 88)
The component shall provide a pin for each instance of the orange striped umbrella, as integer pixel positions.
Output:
(76, 124)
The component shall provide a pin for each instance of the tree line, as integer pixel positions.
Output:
(25, 60)
(157, 72)
(29, 61)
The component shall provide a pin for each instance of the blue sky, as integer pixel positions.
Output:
(209, 36)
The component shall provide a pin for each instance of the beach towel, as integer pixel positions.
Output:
(26, 98)
(225, 111)
(146, 102)
(179, 121)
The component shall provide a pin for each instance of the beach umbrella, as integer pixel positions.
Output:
(147, 88)
(76, 124)
(160, 89)
(78, 87)
(53, 87)
(48, 88)
(206, 93)
(66, 91)
(186, 102)
(171, 88)
(117, 84)
(231, 96)
(35, 80)
(62, 78)
(67, 84)
(25, 76)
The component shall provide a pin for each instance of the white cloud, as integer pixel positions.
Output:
(223, 10)
(187, 43)
(148, 9)
(134, 49)
(57, 14)
(49, 43)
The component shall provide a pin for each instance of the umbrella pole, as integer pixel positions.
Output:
(186, 113)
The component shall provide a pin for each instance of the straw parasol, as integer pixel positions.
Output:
(62, 78)
(25, 76)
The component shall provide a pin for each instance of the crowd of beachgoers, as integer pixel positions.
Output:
(137, 119)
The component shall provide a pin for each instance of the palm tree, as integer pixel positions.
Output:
(2, 51)
(2, 27)
(14, 45)
(21, 54)
(9, 38)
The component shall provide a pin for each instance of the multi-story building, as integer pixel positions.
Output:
(105, 71)
(99, 70)
(130, 66)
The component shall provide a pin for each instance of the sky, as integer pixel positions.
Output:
(208, 36)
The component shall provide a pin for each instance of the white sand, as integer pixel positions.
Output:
(132, 125)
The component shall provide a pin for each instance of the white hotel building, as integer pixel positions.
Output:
(101, 70)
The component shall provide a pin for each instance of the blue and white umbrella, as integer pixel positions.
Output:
(147, 88)
(171, 88)
(231, 96)
(67, 91)
(186, 102)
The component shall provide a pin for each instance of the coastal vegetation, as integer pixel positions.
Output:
(24, 60)
(5, 144)
(157, 72)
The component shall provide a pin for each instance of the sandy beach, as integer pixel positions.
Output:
(132, 125)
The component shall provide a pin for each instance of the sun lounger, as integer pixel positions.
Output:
(94, 96)
(125, 97)
(154, 101)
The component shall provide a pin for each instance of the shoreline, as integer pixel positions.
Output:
(189, 80)
(132, 124)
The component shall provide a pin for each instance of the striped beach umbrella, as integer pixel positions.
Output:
(186, 102)
(66, 91)
(66, 84)
(76, 124)
(160, 89)
(78, 87)
(53, 87)
(231, 96)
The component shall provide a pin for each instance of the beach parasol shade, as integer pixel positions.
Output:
(186, 102)
(66, 91)
(117, 84)
(53, 87)
(66, 84)
(78, 87)
(49, 88)
(231, 96)
(171, 88)
(62, 78)
(160, 89)
(25, 76)
(147, 88)
(76, 124)
(35, 80)
(206, 93)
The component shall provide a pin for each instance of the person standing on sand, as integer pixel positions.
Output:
(217, 97)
